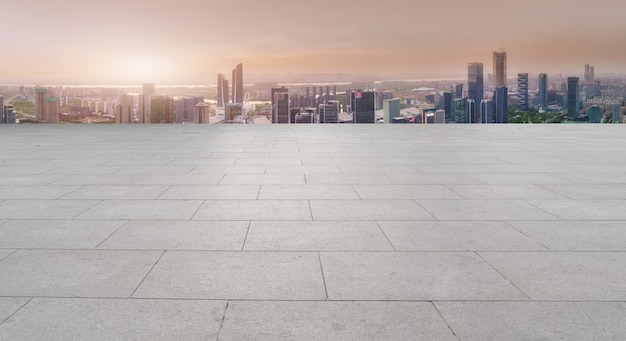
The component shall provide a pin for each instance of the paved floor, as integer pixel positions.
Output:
(342, 232)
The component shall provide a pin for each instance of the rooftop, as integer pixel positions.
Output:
(303, 232)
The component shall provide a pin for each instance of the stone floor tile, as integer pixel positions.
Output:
(212, 192)
(143, 210)
(498, 192)
(456, 236)
(347, 179)
(368, 210)
(413, 276)
(44, 209)
(591, 192)
(85, 170)
(535, 320)
(307, 192)
(31, 180)
(35, 192)
(263, 179)
(8, 306)
(56, 234)
(316, 236)
(519, 179)
(254, 210)
(4, 253)
(235, 275)
(178, 235)
(594, 178)
(432, 179)
(202, 162)
(230, 169)
(484, 210)
(246, 320)
(117, 192)
(180, 179)
(156, 170)
(584, 209)
(576, 235)
(98, 180)
(114, 319)
(75, 273)
(303, 169)
(567, 276)
(405, 192)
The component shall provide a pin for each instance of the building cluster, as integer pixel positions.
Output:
(7, 113)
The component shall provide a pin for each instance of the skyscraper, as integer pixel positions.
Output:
(543, 91)
(363, 104)
(458, 91)
(446, 105)
(501, 105)
(594, 114)
(329, 112)
(161, 109)
(391, 109)
(475, 83)
(2, 110)
(460, 110)
(222, 90)
(52, 110)
(125, 111)
(238, 84)
(280, 105)
(499, 68)
(522, 91)
(145, 101)
(573, 100)
(40, 103)
(486, 111)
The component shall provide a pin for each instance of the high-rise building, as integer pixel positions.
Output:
(573, 99)
(475, 84)
(617, 113)
(363, 104)
(52, 110)
(501, 105)
(161, 109)
(232, 111)
(440, 117)
(238, 84)
(9, 114)
(486, 111)
(222, 90)
(458, 91)
(391, 109)
(305, 116)
(460, 110)
(40, 103)
(125, 110)
(543, 91)
(2, 111)
(594, 114)
(280, 105)
(499, 68)
(522, 91)
(329, 112)
(446, 105)
(145, 102)
(201, 113)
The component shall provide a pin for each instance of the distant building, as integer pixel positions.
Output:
(222, 91)
(363, 106)
(2, 111)
(501, 105)
(475, 84)
(458, 91)
(391, 109)
(40, 103)
(460, 109)
(617, 113)
(9, 114)
(231, 111)
(594, 114)
(52, 110)
(238, 84)
(446, 105)
(280, 105)
(201, 113)
(145, 102)
(472, 116)
(486, 111)
(499, 69)
(125, 110)
(329, 112)
(573, 99)
(543, 91)
(440, 117)
(305, 116)
(161, 109)
(522, 92)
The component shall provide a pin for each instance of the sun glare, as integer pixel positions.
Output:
(144, 65)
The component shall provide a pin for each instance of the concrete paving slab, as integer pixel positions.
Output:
(511, 192)
(212, 192)
(393, 192)
(268, 162)
(368, 210)
(229, 169)
(156, 170)
(356, 321)
(594, 178)
(303, 169)
(35, 192)
(140, 162)
(380, 169)
(85, 170)
(56, 234)
(567, 276)
(117, 192)
(347, 179)
(519, 179)
(584, 209)
(461, 169)
(456, 236)
(484, 210)
(114, 319)
(4, 253)
(31, 180)
(316, 236)
(413, 276)
(307, 192)
(235, 275)
(576, 235)
(590, 192)
(24, 170)
(432, 179)
(8, 306)
(202, 162)
(44, 209)
(75, 273)
(180, 179)
(254, 210)
(263, 179)
(178, 235)
(97, 180)
(315, 161)
(535, 320)
(143, 210)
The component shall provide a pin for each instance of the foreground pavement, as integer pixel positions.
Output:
(325, 232)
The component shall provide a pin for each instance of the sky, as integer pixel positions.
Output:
(190, 41)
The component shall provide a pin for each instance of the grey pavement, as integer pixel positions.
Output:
(324, 232)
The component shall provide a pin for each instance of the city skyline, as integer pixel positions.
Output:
(190, 42)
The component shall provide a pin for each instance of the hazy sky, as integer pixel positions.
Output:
(187, 41)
